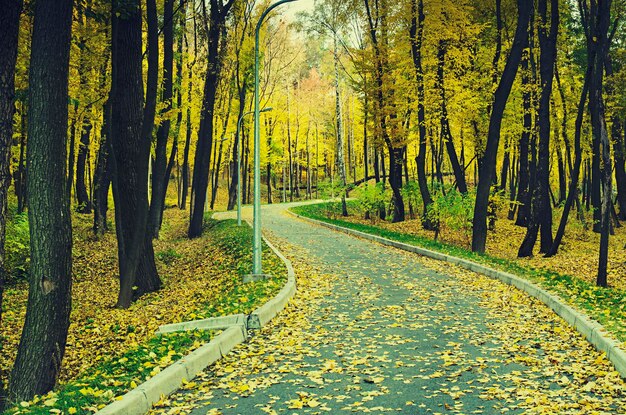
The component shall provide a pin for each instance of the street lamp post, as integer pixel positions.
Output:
(239, 162)
(256, 239)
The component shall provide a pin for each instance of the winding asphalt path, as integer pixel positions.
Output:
(376, 330)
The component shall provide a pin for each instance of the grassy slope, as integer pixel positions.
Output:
(110, 351)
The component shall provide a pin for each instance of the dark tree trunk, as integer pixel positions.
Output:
(216, 175)
(416, 32)
(82, 195)
(159, 167)
(71, 162)
(540, 218)
(524, 169)
(562, 175)
(185, 167)
(179, 105)
(216, 38)
(597, 39)
(506, 162)
(619, 151)
(376, 166)
(573, 187)
(9, 29)
(102, 176)
(232, 190)
(131, 130)
(595, 190)
(396, 152)
(479, 236)
(459, 174)
(20, 174)
(44, 334)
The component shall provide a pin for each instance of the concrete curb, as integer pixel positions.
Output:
(213, 323)
(593, 331)
(140, 400)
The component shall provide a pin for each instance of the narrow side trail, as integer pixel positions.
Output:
(375, 330)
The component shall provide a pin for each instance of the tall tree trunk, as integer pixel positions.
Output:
(71, 160)
(82, 196)
(446, 134)
(131, 129)
(179, 106)
(479, 235)
(216, 173)
(185, 167)
(541, 209)
(365, 126)
(396, 154)
(20, 179)
(341, 164)
(597, 39)
(619, 151)
(44, 334)
(216, 38)
(9, 29)
(102, 176)
(237, 154)
(573, 187)
(417, 37)
(160, 161)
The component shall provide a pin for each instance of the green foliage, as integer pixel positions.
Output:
(330, 189)
(168, 256)
(17, 247)
(412, 195)
(452, 210)
(371, 199)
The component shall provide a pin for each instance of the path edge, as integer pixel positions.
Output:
(593, 331)
(139, 401)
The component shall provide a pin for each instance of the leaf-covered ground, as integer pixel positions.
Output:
(376, 330)
(115, 349)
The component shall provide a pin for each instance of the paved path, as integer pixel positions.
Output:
(376, 330)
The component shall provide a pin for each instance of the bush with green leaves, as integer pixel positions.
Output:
(331, 190)
(371, 199)
(411, 194)
(17, 247)
(452, 210)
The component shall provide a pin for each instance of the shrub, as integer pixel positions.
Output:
(17, 247)
(452, 210)
(371, 199)
(411, 194)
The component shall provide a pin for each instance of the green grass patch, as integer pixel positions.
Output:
(109, 378)
(605, 305)
(235, 242)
